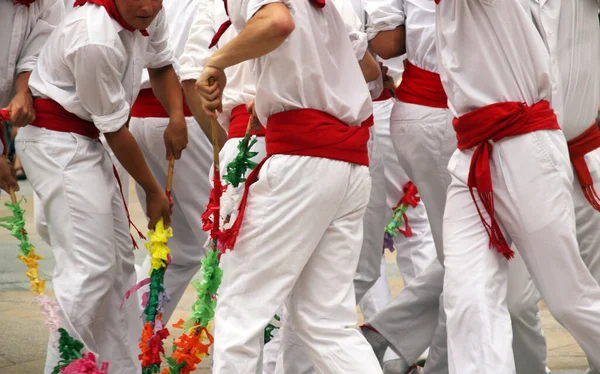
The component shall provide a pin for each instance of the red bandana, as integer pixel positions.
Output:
(27, 3)
(111, 9)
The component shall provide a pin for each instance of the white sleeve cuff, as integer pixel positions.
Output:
(112, 122)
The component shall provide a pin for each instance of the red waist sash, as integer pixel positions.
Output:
(421, 87)
(494, 123)
(52, 116)
(583, 144)
(239, 123)
(4, 116)
(147, 106)
(306, 132)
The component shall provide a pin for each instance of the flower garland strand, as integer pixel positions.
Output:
(72, 360)
(409, 199)
(154, 331)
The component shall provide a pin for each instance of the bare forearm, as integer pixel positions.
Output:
(389, 44)
(167, 90)
(369, 67)
(130, 156)
(22, 82)
(195, 104)
(266, 31)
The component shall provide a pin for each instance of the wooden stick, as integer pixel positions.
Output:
(13, 196)
(170, 175)
(215, 134)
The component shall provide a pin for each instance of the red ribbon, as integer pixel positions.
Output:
(412, 199)
(585, 143)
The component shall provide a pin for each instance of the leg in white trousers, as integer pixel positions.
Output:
(415, 253)
(368, 268)
(301, 240)
(588, 223)
(529, 343)
(191, 189)
(378, 296)
(424, 141)
(533, 201)
(41, 226)
(88, 229)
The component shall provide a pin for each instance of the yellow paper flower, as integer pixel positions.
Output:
(157, 246)
(31, 261)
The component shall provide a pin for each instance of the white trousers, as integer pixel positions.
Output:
(424, 141)
(191, 189)
(533, 201)
(88, 229)
(40, 224)
(529, 343)
(588, 224)
(413, 254)
(300, 242)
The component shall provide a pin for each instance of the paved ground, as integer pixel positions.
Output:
(23, 337)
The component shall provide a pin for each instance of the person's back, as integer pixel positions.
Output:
(311, 69)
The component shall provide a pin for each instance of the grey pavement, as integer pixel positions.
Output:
(23, 335)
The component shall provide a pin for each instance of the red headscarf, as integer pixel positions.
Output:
(111, 9)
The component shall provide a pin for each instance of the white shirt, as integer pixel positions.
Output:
(315, 67)
(572, 34)
(241, 83)
(418, 18)
(489, 51)
(180, 15)
(93, 67)
(24, 31)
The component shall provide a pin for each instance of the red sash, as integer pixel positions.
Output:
(239, 123)
(4, 116)
(147, 106)
(583, 144)
(421, 87)
(52, 116)
(306, 132)
(494, 123)
(385, 95)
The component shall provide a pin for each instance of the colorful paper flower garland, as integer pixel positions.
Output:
(409, 199)
(193, 345)
(72, 361)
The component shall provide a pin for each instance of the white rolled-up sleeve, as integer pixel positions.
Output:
(383, 15)
(51, 12)
(354, 27)
(97, 71)
(159, 51)
(196, 51)
(376, 87)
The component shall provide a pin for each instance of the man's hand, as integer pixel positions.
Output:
(21, 109)
(388, 82)
(211, 95)
(158, 206)
(8, 176)
(255, 124)
(176, 138)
